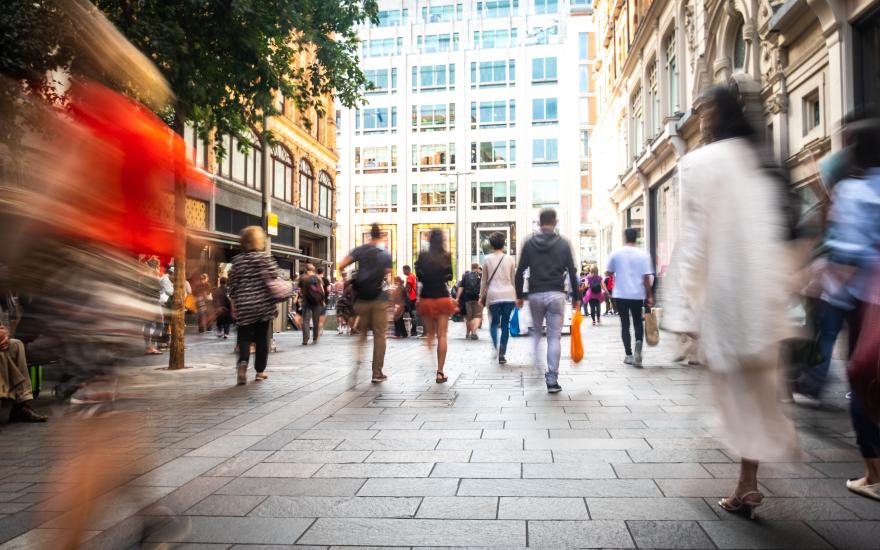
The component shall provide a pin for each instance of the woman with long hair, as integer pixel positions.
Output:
(253, 303)
(434, 270)
(497, 291)
(734, 229)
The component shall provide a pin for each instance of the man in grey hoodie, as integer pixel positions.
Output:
(548, 258)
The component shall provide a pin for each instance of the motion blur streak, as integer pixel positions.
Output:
(92, 189)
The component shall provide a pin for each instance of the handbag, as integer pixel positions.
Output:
(279, 289)
(577, 344)
(863, 370)
(652, 326)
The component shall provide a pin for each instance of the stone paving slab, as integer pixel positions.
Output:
(417, 532)
(318, 457)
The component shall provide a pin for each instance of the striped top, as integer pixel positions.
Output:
(248, 290)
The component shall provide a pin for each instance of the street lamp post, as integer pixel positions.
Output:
(461, 234)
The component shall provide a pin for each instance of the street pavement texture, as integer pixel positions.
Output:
(318, 457)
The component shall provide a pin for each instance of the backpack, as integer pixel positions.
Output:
(313, 291)
(471, 286)
(596, 286)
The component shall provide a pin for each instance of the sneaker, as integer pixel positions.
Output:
(628, 360)
(501, 359)
(637, 357)
(554, 388)
(242, 373)
(474, 336)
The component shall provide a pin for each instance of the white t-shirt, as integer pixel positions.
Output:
(629, 264)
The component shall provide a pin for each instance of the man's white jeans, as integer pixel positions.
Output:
(549, 307)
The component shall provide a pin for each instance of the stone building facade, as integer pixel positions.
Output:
(802, 64)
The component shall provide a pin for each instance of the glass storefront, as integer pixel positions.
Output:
(634, 216)
(665, 222)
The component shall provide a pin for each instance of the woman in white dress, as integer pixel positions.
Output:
(728, 288)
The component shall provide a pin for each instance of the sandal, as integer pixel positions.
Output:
(441, 377)
(745, 502)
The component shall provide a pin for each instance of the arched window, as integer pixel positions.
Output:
(306, 183)
(739, 49)
(282, 174)
(325, 194)
(240, 166)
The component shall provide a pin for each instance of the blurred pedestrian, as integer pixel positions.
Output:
(151, 289)
(498, 292)
(732, 203)
(411, 298)
(851, 287)
(633, 279)
(202, 292)
(548, 258)
(222, 308)
(253, 304)
(371, 302)
(609, 295)
(434, 271)
(328, 290)
(312, 299)
(397, 291)
(15, 380)
(594, 295)
(469, 294)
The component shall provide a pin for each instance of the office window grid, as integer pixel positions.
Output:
(433, 157)
(429, 78)
(493, 73)
(490, 155)
(545, 111)
(434, 43)
(375, 160)
(545, 152)
(433, 118)
(496, 38)
(493, 114)
(493, 195)
(544, 70)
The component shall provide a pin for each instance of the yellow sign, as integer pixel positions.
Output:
(272, 223)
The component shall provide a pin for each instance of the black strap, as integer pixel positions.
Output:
(494, 271)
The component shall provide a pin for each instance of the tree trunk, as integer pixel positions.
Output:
(176, 357)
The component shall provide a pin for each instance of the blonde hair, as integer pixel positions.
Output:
(595, 270)
(253, 239)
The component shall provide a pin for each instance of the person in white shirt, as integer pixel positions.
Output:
(633, 277)
(498, 292)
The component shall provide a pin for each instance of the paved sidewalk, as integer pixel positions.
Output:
(319, 457)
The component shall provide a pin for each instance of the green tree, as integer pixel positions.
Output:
(226, 61)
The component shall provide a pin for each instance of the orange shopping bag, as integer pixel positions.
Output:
(577, 344)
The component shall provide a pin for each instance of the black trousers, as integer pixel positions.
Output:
(410, 308)
(258, 333)
(311, 314)
(627, 308)
(595, 310)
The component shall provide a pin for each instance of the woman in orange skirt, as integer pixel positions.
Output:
(434, 270)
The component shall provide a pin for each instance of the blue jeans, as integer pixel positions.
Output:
(499, 314)
(549, 306)
(831, 321)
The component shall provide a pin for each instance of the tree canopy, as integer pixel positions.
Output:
(226, 60)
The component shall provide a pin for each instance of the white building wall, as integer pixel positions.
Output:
(562, 46)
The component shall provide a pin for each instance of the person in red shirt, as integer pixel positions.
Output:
(410, 299)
